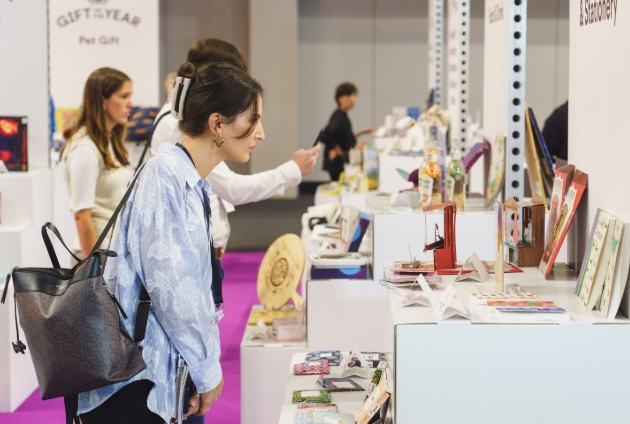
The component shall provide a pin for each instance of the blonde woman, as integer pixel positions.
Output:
(94, 160)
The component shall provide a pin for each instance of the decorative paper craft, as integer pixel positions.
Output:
(280, 272)
(474, 154)
(339, 384)
(376, 403)
(333, 357)
(567, 212)
(354, 366)
(373, 358)
(592, 275)
(323, 417)
(450, 305)
(321, 396)
(482, 298)
(311, 368)
(259, 331)
(425, 298)
(477, 268)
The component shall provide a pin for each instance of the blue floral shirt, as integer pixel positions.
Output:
(163, 242)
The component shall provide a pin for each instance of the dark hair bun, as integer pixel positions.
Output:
(187, 70)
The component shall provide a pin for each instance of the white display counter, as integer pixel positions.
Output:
(344, 314)
(389, 180)
(347, 402)
(262, 361)
(488, 371)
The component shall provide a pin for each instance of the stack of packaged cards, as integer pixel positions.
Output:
(311, 405)
(373, 358)
(333, 357)
(311, 368)
(323, 417)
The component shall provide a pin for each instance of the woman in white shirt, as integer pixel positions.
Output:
(94, 160)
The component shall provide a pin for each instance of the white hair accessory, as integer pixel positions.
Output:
(178, 97)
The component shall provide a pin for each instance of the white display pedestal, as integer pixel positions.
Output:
(344, 314)
(262, 362)
(347, 402)
(485, 370)
(26, 204)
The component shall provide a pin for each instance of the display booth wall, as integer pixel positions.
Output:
(24, 72)
(599, 89)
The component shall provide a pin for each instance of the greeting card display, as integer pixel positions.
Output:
(426, 297)
(562, 179)
(338, 384)
(13, 142)
(497, 170)
(473, 269)
(567, 212)
(376, 404)
(373, 358)
(311, 368)
(354, 224)
(322, 396)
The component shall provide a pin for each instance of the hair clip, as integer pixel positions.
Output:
(178, 97)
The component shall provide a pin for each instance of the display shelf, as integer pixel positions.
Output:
(548, 367)
(395, 233)
(347, 402)
(344, 314)
(261, 364)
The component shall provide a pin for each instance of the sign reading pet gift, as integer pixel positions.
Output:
(89, 34)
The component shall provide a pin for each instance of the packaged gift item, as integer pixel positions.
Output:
(321, 396)
(13, 142)
(376, 403)
(338, 384)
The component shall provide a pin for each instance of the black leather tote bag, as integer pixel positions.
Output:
(72, 322)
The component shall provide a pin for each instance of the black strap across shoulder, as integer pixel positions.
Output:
(147, 146)
(217, 279)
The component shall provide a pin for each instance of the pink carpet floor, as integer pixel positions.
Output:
(239, 292)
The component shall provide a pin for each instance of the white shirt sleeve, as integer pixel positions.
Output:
(220, 223)
(83, 169)
(240, 189)
(167, 130)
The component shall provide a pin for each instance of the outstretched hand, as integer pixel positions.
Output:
(306, 159)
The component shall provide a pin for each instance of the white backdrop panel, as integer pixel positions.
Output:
(121, 34)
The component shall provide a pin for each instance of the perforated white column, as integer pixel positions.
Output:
(436, 48)
(458, 48)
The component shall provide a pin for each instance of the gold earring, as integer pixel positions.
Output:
(217, 143)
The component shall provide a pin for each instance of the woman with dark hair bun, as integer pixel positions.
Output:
(164, 244)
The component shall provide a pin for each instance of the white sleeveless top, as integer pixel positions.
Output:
(89, 185)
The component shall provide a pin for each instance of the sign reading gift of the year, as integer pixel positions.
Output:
(89, 34)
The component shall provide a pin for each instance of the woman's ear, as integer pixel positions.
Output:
(214, 124)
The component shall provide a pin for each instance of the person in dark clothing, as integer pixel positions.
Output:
(338, 136)
(556, 132)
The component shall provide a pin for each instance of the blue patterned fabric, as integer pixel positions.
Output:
(162, 242)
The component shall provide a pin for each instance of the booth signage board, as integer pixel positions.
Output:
(436, 48)
(89, 34)
(458, 47)
(504, 84)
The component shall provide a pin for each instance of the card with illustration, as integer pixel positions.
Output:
(333, 357)
(373, 358)
(522, 303)
(310, 405)
(321, 395)
(338, 384)
(354, 366)
(311, 368)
